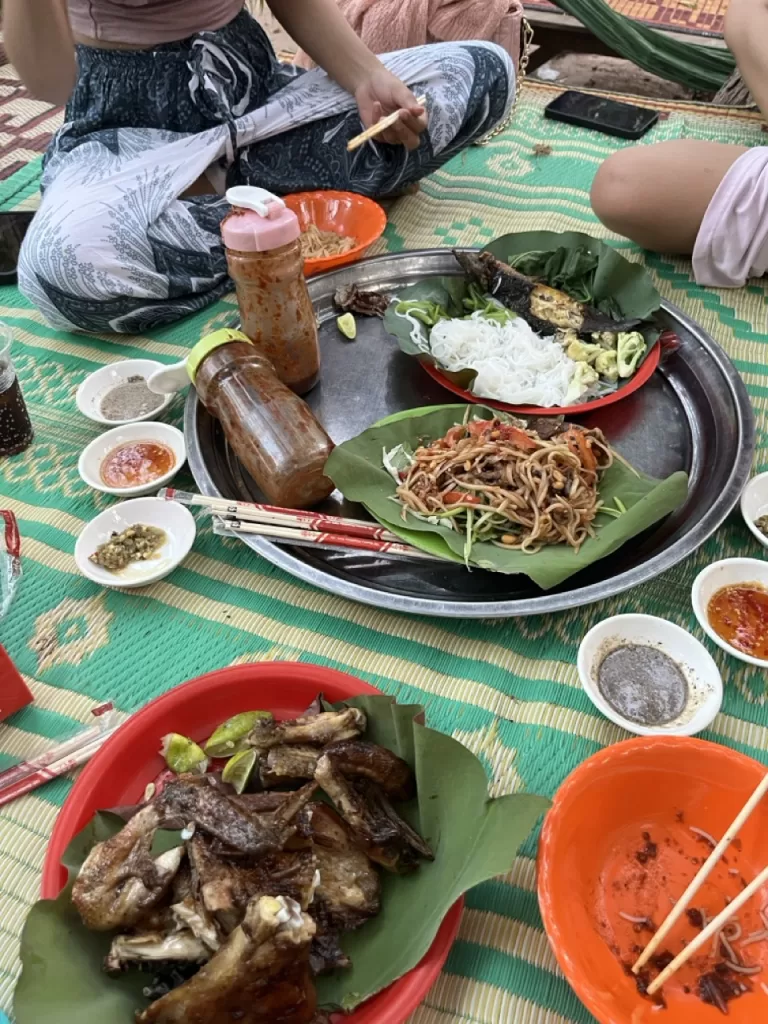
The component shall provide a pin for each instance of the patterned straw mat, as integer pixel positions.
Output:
(697, 17)
(509, 690)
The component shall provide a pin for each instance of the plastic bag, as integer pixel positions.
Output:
(10, 559)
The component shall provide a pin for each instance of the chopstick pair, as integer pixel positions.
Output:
(379, 127)
(304, 529)
(22, 778)
(701, 876)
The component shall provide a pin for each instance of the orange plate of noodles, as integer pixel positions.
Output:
(337, 227)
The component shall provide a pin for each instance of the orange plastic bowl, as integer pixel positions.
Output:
(589, 872)
(345, 213)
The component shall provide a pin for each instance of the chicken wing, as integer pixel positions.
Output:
(384, 836)
(260, 976)
(120, 880)
(222, 816)
(318, 730)
(155, 946)
(354, 758)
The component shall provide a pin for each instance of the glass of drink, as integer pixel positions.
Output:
(15, 426)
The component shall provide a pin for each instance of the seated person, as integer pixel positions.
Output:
(708, 200)
(169, 102)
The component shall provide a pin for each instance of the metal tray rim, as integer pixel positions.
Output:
(720, 510)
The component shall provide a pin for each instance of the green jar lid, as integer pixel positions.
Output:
(206, 345)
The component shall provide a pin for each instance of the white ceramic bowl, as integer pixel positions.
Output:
(177, 521)
(705, 684)
(724, 574)
(754, 503)
(89, 464)
(97, 384)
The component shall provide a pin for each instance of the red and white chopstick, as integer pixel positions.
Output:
(52, 771)
(313, 538)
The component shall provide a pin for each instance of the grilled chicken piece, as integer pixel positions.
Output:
(353, 758)
(227, 886)
(282, 765)
(127, 950)
(327, 727)
(546, 309)
(210, 808)
(260, 976)
(325, 953)
(384, 836)
(348, 892)
(120, 880)
(360, 759)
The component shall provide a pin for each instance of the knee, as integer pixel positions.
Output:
(613, 194)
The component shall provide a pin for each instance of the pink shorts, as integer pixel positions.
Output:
(732, 244)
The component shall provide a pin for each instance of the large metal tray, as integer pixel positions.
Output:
(694, 414)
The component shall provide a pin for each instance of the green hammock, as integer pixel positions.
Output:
(698, 67)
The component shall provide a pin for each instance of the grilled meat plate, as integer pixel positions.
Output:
(546, 309)
(261, 974)
(120, 880)
(318, 730)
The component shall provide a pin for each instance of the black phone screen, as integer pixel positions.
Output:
(13, 227)
(605, 115)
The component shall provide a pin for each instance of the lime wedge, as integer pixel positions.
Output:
(229, 738)
(183, 754)
(238, 769)
(347, 326)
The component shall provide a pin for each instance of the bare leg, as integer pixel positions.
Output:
(658, 195)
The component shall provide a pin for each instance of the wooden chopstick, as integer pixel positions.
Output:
(379, 127)
(712, 928)
(701, 876)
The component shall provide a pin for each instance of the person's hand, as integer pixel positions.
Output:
(382, 93)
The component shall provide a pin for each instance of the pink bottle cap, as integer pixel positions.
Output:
(259, 220)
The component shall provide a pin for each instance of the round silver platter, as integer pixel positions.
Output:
(694, 414)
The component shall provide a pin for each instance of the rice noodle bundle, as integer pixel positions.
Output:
(514, 364)
(501, 483)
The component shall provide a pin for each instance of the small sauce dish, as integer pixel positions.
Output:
(139, 440)
(730, 572)
(657, 642)
(174, 519)
(754, 504)
(98, 384)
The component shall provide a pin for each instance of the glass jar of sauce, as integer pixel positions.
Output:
(270, 429)
(264, 258)
(16, 432)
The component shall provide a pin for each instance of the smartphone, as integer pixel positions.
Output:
(621, 119)
(13, 227)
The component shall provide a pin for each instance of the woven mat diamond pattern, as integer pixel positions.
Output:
(26, 124)
(697, 17)
(508, 690)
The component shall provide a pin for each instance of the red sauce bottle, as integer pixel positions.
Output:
(270, 429)
(261, 236)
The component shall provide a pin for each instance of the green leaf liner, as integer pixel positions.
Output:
(623, 286)
(473, 838)
(356, 469)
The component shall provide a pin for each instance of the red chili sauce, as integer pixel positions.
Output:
(739, 614)
(136, 463)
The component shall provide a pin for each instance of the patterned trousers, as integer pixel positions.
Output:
(114, 249)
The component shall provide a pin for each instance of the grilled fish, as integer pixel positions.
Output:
(546, 309)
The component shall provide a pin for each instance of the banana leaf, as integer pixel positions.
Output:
(618, 287)
(357, 470)
(473, 838)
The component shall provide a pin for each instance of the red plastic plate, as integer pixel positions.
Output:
(642, 376)
(119, 774)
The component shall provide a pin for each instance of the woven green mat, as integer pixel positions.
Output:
(509, 690)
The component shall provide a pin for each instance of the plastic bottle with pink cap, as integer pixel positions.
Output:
(261, 236)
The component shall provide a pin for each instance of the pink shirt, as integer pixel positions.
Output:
(149, 22)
